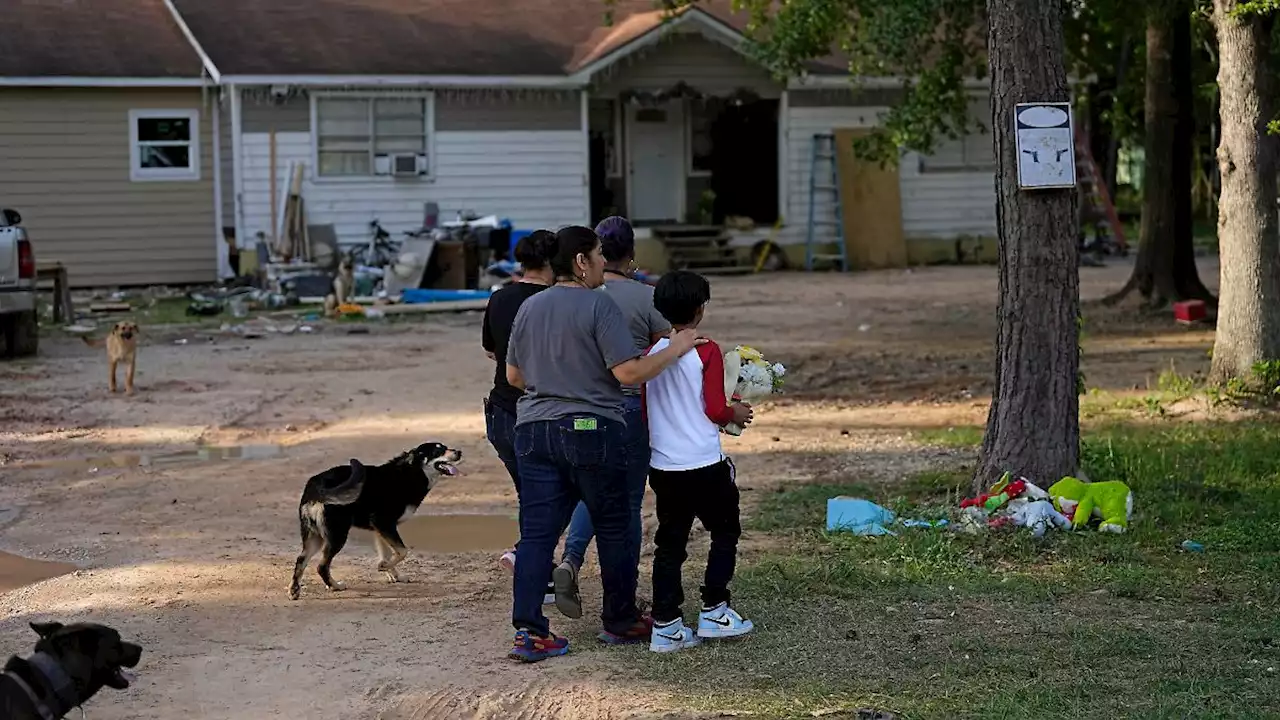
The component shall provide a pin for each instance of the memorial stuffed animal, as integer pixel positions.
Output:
(1111, 501)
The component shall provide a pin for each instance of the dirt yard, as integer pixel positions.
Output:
(191, 557)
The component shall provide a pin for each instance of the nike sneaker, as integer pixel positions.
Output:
(672, 637)
(722, 621)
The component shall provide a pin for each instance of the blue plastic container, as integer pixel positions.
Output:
(516, 236)
(414, 296)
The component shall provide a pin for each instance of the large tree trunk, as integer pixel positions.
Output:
(1249, 306)
(1033, 427)
(1165, 269)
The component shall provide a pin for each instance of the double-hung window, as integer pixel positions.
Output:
(368, 136)
(164, 145)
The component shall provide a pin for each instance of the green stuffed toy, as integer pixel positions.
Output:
(1111, 501)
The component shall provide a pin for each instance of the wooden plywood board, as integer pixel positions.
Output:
(871, 201)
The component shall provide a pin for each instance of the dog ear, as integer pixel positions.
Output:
(44, 630)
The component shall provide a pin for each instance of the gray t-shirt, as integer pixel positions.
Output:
(635, 299)
(566, 341)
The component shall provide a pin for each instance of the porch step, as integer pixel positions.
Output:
(702, 248)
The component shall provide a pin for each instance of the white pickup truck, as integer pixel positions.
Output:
(19, 330)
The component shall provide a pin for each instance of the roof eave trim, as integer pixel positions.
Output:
(693, 14)
(551, 82)
(62, 81)
(209, 67)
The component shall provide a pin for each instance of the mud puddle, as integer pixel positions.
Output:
(129, 460)
(17, 571)
(454, 533)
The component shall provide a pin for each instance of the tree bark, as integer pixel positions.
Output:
(1249, 246)
(1033, 426)
(1165, 269)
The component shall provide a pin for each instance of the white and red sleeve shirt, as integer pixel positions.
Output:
(686, 408)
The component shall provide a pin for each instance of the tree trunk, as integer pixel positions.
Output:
(1154, 268)
(1249, 246)
(1165, 270)
(1033, 427)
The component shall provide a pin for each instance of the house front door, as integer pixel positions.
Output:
(656, 181)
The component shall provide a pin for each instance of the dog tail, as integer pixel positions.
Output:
(348, 491)
(90, 341)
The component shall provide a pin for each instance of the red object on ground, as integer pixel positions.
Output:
(1189, 311)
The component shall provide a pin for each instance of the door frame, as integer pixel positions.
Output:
(682, 183)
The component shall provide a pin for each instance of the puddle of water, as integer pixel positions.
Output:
(453, 533)
(17, 571)
(128, 460)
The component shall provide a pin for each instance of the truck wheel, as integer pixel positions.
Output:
(22, 334)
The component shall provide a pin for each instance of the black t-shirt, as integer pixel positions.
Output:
(499, 316)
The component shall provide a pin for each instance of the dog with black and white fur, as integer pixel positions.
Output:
(376, 498)
(69, 665)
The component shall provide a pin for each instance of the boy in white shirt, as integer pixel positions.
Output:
(691, 477)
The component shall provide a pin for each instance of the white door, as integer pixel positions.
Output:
(656, 182)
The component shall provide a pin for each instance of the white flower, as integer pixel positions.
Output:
(779, 370)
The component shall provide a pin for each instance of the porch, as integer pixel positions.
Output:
(685, 131)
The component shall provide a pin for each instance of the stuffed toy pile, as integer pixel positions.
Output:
(1069, 503)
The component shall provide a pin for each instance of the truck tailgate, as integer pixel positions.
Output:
(9, 253)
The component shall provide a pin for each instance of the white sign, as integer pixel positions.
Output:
(1046, 145)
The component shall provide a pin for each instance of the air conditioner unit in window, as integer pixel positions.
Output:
(408, 165)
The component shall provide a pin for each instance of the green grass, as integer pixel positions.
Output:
(933, 624)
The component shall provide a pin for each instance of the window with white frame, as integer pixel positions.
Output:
(701, 117)
(368, 136)
(164, 145)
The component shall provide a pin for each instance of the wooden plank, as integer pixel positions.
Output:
(871, 202)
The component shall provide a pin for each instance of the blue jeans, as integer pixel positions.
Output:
(580, 528)
(561, 462)
(500, 428)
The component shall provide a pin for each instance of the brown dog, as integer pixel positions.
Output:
(122, 347)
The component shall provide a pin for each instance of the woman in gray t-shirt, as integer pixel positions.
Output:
(571, 352)
(647, 326)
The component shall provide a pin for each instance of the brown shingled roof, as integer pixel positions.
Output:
(93, 38)
(418, 37)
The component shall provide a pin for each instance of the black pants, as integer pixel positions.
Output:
(710, 495)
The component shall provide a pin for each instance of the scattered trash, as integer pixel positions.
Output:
(1039, 515)
(181, 341)
(861, 517)
(914, 523)
(864, 327)
(1192, 546)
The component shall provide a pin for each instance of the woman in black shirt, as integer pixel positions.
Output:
(499, 315)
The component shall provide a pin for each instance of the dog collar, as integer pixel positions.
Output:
(56, 681)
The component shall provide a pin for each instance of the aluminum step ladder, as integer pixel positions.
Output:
(824, 179)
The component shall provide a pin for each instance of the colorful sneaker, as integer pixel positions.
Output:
(672, 636)
(564, 580)
(531, 648)
(722, 621)
(637, 633)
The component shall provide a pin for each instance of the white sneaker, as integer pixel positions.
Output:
(670, 638)
(722, 621)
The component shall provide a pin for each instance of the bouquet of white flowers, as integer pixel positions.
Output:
(748, 377)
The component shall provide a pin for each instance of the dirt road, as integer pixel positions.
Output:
(191, 557)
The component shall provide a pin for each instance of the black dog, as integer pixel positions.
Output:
(372, 498)
(70, 664)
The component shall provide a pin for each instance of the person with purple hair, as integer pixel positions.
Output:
(647, 326)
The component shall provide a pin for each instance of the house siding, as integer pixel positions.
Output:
(705, 65)
(64, 164)
(515, 155)
(935, 204)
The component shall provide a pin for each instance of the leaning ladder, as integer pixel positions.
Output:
(825, 181)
